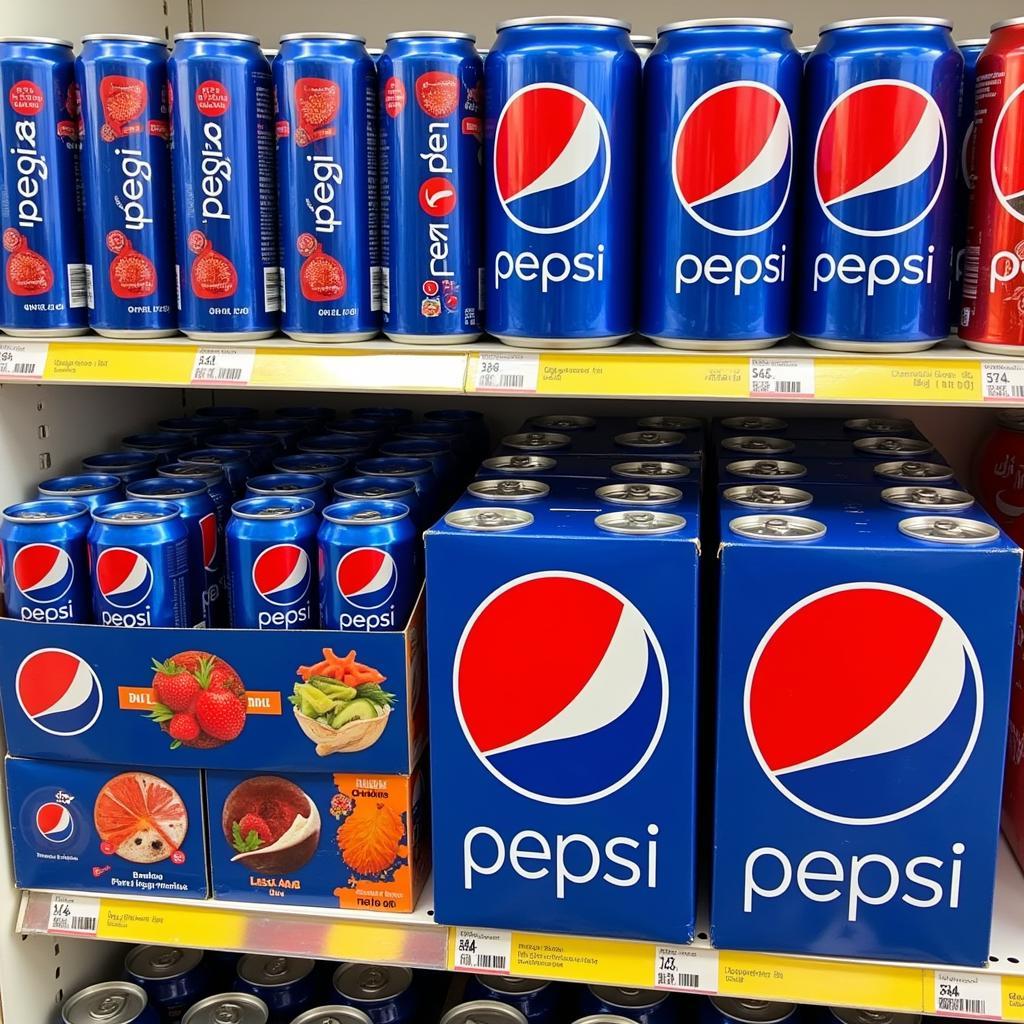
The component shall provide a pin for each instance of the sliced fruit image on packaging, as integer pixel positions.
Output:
(270, 824)
(140, 817)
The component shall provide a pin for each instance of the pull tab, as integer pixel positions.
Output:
(108, 1008)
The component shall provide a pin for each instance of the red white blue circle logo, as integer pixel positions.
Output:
(43, 573)
(880, 158)
(857, 732)
(123, 577)
(55, 822)
(281, 574)
(367, 577)
(59, 692)
(1004, 160)
(560, 687)
(552, 158)
(734, 183)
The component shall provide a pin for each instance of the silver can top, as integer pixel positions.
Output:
(519, 463)
(1005, 23)
(47, 40)
(678, 423)
(650, 469)
(849, 1015)
(766, 469)
(886, 447)
(489, 520)
(346, 37)
(332, 1015)
(371, 983)
(508, 490)
(156, 962)
(767, 496)
(430, 33)
(777, 528)
(945, 499)
(862, 22)
(562, 422)
(538, 440)
(755, 424)
(649, 439)
(673, 26)
(508, 985)
(486, 1011)
(911, 469)
(753, 1011)
(343, 514)
(122, 37)
(228, 1008)
(879, 425)
(110, 1002)
(628, 998)
(564, 19)
(941, 530)
(239, 37)
(639, 494)
(271, 971)
(639, 522)
(979, 41)
(752, 444)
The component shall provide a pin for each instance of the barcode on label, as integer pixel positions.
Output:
(76, 285)
(18, 369)
(971, 1006)
(972, 266)
(218, 373)
(385, 289)
(669, 979)
(512, 381)
(281, 285)
(787, 387)
(375, 288)
(90, 294)
(75, 923)
(271, 289)
(484, 962)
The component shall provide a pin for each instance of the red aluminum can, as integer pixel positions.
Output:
(992, 311)
(999, 473)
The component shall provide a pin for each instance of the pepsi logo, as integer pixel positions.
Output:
(123, 577)
(208, 529)
(55, 822)
(367, 577)
(577, 712)
(43, 573)
(281, 574)
(1007, 176)
(734, 183)
(437, 197)
(856, 732)
(880, 158)
(552, 158)
(59, 692)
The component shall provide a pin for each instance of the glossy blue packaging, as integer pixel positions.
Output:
(431, 181)
(92, 489)
(125, 465)
(296, 485)
(386, 994)
(43, 290)
(225, 198)
(325, 85)
(45, 561)
(563, 106)
(876, 226)
(719, 205)
(322, 464)
(126, 185)
(287, 984)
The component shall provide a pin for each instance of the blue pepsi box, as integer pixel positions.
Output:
(658, 444)
(836, 428)
(858, 782)
(557, 825)
(655, 468)
(861, 472)
(93, 828)
(889, 449)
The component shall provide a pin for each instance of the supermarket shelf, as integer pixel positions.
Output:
(992, 992)
(946, 375)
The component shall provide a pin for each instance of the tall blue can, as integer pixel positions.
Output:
(431, 110)
(162, 446)
(963, 170)
(345, 445)
(126, 466)
(876, 231)
(646, 1006)
(126, 185)
(174, 978)
(258, 448)
(538, 1001)
(370, 566)
(216, 485)
(234, 463)
(45, 562)
(287, 429)
(142, 565)
(563, 101)
(719, 203)
(297, 485)
(386, 995)
(389, 415)
(43, 291)
(285, 983)
(438, 453)
(194, 428)
(419, 472)
(117, 1002)
(326, 89)
(322, 464)
(231, 415)
(225, 201)
(383, 488)
(91, 489)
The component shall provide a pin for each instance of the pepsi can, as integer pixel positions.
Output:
(208, 578)
(112, 1002)
(230, 415)
(370, 569)
(370, 429)
(164, 447)
(126, 181)
(876, 240)
(431, 127)
(225, 202)
(332, 1015)
(233, 463)
(173, 978)
(418, 472)
(453, 435)
(645, 1006)
(193, 428)
(127, 466)
(322, 464)
(720, 1010)
(326, 89)
(92, 489)
(719, 206)
(44, 561)
(287, 429)
(233, 1007)
(216, 485)
(438, 453)
(299, 485)
(143, 565)
(382, 488)
(44, 286)
(538, 1001)
(348, 446)
(258, 448)
(471, 420)
(284, 983)
(271, 546)
(488, 1011)
(385, 994)
(561, 201)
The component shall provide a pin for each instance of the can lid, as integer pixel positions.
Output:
(752, 444)
(84, 483)
(562, 422)
(850, 1015)
(127, 37)
(649, 439)
(371, 983)
(344, 36)
(489, 520)
(110, 1002)
(674, 26)
(1006, 23)
(628, 998)
(508, 490)
(538, 439)
(947, 499)
(228, 1008)
(490, 1011)
(165, 487)
(766, 469)
(648, 468)
(430, 33)
(680, 423)
(879, 425)
(285, 483)
(755, 424)
(639, 494)
(519, 463)
(152, 963)
(777, 527)
(238, 36)
(508, 985)
(893, 446)
(639, 39)
(199, 470)
(332, 1015)
(762, 495)
(898, 20)
(961, 43)
(940, 530)
(373, 487)
(365, 512)
(45, 510)
(639, 522)
(563, 19)
(49, 40)
(753, 1011)
(268, 971)
(913, 470)
(604, 1018)
(136, 513)
(281, 506)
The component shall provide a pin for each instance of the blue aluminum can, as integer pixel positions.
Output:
(172, 977)
(259, 448)
(370, 566)
(237, 1007)
(199, 514)
(538, 1001)
(372, 430)
(419, 472)
(216, 485)
(127, 466)
(646, 1006)
(233, 462)
(383, 488)
(346, 445)
(963, 170)
(92, 489)
(225, 200)
(438, 453)
(285, 983)
(45, 563)
(288, 429)
(272, 563)
(193, 428)
(431, 181)
(876, 229)
(720, 1010)
(472, 420)
(143, 565)
(126, 186)
(163, 446)
(719, 204)
(113, 1002)
(326, 89)
(311, 414)
(390, 415)
(298, 485)
(328, 467)
(455, 435)
(561, 203)
(385, 994)
(232, 415)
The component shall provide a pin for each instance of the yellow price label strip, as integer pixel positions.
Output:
(171, 924)
(100, 362)
(360, 369)
(899, 380)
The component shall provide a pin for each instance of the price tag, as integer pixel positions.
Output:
(1002, 382)
(73, 915)
(482, 952)
(686, 968)
(781, 378)
(23, 360)
(506, 371)
(968, 995)
(223, 366)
